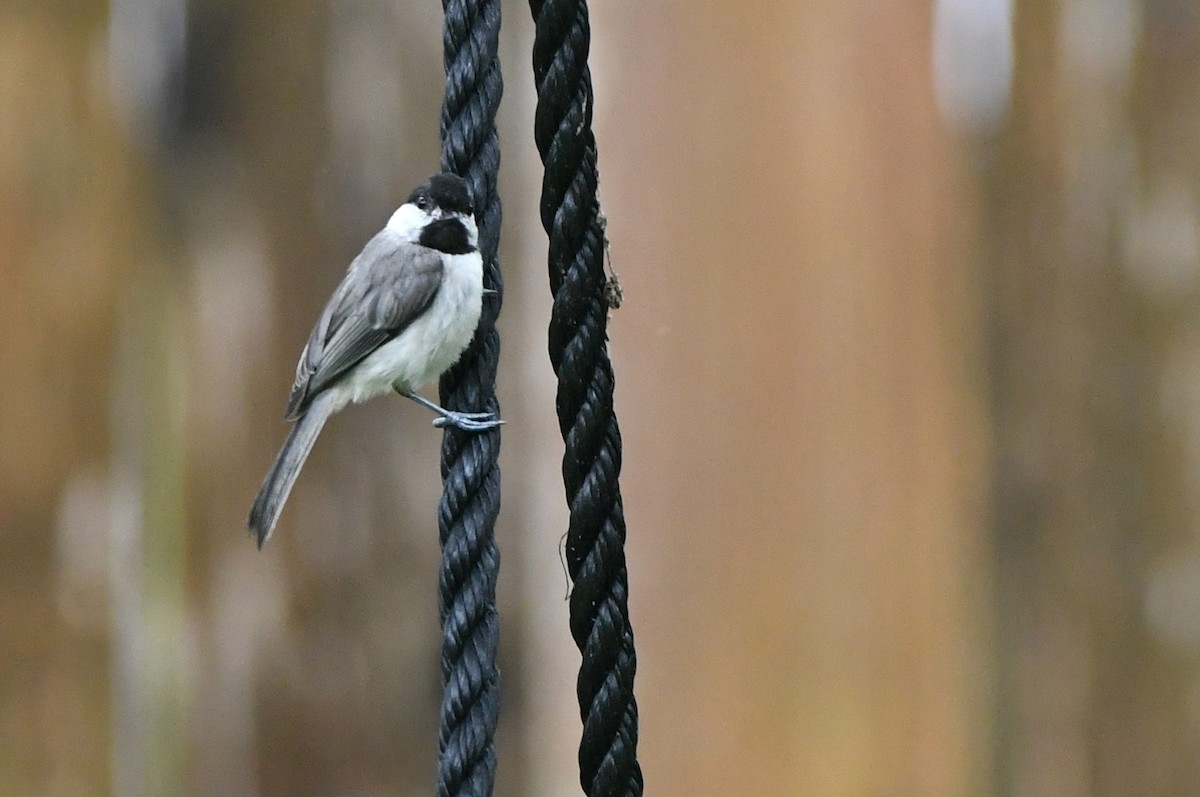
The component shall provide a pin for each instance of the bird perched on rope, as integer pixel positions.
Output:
(405, 311)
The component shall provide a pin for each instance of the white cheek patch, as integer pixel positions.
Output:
(472, 229)
(407, 222)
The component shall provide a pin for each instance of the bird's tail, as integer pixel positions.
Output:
(278, 484)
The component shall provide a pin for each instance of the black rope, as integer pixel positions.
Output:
(470, 469)
(570, 211)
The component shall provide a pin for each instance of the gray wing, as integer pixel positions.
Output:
(386, 287)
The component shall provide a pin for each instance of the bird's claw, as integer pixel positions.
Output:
(472, 416)
(468, 421)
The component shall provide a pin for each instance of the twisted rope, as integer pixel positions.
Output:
(470, 469)
(570, 211)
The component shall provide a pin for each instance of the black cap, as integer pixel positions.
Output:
(447, 191)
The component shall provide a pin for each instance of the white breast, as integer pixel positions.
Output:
(430, 344)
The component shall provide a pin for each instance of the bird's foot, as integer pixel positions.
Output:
(468, 421)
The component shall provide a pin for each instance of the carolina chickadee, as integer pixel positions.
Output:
(405, 311)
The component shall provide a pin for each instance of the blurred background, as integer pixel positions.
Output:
(908, 374)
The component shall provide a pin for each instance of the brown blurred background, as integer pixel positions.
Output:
(908, 374)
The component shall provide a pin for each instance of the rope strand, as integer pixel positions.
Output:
(470, 470)
(570, 212)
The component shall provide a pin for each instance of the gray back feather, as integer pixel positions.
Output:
(385, 288)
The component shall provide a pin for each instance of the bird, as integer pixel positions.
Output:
(403, 314)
